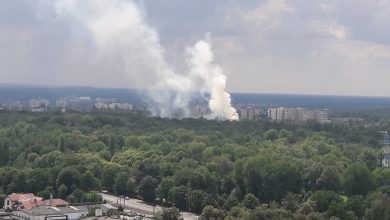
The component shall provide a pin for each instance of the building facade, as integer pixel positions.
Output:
(297, 114)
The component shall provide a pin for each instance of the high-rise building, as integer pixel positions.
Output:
(297, 114)
(386, 150)
(248, 112)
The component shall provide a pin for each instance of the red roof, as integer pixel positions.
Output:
(56, 202)
(15, 197)
(29, 203)
(29, 200)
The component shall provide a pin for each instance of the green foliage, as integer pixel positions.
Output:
(358, 179)
(222, 169)
(271, 134)
(250, 201)
(147, 188)
(168, 214)
(178, 196)
(324, 199)
(92, 197)
(211, 213)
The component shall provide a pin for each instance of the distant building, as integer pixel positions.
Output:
(19, 201)
(120, 106)
(249, 113)
(386, 150)
(39, 109)
(101, 105)
(297, 114)
(51, 213)
(38, 103)
(62, 103)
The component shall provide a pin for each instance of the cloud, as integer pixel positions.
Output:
(329, 29)
(295, 46)
(267, 15)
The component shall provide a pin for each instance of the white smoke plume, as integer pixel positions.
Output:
(118, 31)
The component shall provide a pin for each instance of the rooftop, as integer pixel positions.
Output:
(50, 210)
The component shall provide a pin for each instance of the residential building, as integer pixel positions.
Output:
(38, 103)
(101, 105)
(249, 113)
(19, 201)
(297, 114)
(51, 213)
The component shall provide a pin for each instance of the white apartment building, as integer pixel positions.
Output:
(297, 114)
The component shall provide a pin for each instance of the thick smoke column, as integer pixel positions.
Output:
(118, 31)
(213, 79)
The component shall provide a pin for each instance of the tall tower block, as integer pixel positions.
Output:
(386, 149)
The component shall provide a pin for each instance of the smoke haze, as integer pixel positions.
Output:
(118, 34)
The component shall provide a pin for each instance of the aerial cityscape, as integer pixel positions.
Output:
(186, 110)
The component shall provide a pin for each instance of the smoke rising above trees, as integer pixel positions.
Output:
(117, 32)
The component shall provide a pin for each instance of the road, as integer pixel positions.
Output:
(141, 207)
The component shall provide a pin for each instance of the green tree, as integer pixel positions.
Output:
(323, 199)
(358, 179)
(211, 213)
(379, 207)
(4, 149)
(62, 191)
(92, 197)
(89, 182)
(109, 173)
(196, 200)
(250, 201)
(271, 134)
(163, 189)
(168, 214)
(147, 188)
(178, 196)
(69, 177)
(120, 185)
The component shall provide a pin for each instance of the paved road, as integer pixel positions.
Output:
(141, 207)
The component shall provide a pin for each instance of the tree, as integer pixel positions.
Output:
(211, 213)
(147, 188)
(197, 198)
(284, 133)
(61, 144)
(356, 204)
(323, 199)
(358, 179)
(89, 182)
(62, 191)
(230, 202)
(4, 149)
(92, 197)
(250, 201)
(329, 179)
(168, 214)
(271, 134)
(120, 185)
(163, 189)
(109, 173)
(20, 182)
(178, 196)
(69, 177)
(379, 207)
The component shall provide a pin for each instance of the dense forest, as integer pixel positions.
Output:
(219, 169)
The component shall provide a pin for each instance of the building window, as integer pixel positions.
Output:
(7, 202)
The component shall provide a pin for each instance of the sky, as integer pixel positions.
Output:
(330, 47)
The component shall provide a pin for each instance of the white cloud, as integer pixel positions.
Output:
(329, 29)
(268, 14)
(300, 46)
